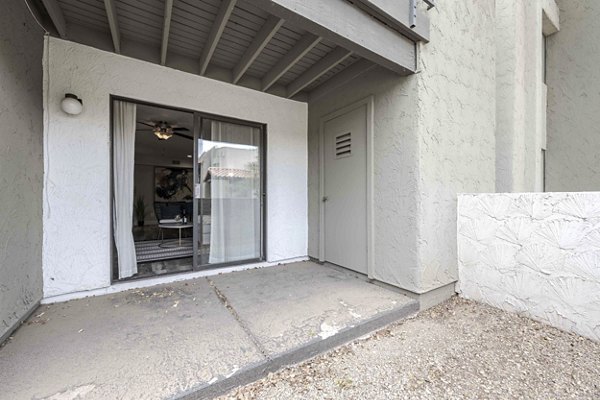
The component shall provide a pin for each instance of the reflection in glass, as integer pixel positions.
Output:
(229, 173)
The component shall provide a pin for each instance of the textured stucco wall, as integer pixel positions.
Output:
(536, 253)
(573, 57)
(520, 102)
(456, 114)
(395, 171)
(77, 215)
(430, 130)
(21, 168)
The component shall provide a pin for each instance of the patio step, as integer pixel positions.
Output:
(306, 351)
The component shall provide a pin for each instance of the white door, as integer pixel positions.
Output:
(345, 189)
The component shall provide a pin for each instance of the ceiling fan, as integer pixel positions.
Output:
(164, 130)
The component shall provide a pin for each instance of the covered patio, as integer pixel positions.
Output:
(195, 338)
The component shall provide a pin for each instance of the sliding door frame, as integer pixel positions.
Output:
(198, 116)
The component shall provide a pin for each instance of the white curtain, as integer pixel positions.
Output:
(235, 193)
(124, 116)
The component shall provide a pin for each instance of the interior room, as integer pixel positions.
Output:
(160, 191)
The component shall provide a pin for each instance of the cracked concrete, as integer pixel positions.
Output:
(191, 339)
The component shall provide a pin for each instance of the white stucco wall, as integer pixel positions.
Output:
(520, 101)
(395, 171)
(573, 57)
(77, 237)
(431, 129)
(536, 253)
(21, 170)
(456, 114)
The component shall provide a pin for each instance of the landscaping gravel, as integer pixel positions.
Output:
(457, 350)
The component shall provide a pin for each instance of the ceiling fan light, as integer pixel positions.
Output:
(162, 135)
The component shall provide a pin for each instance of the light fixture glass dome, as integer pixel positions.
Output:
(71, 104)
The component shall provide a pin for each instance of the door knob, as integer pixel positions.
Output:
(325, 198)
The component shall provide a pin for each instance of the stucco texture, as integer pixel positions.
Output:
(433, 137)
(520, 104)
(573, 78)
(536, 253)
(21, 170)
(77, 201)
(456, 128)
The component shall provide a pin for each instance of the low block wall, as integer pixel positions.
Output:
(536, 253)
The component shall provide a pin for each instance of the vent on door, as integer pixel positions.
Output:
(343, 145)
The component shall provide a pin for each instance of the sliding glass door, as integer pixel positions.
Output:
(228, 192)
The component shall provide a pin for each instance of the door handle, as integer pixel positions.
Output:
(325, 198)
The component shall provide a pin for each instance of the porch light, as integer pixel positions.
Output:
(71, 104)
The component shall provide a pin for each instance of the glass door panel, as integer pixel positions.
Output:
(228, 192)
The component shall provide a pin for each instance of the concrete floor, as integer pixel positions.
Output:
(191, 339)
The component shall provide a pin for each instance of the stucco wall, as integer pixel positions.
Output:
(520, 102)
(21, 170)
(77, 215)
(536, 253)
(431, 129)
(456, 114)
(395, 171)
(573, 57)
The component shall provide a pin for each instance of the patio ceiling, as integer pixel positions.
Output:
(236, 41)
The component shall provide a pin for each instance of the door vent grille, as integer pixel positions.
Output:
(343, 145)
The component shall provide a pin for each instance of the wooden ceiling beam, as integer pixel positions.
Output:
(300, 49)
(215, 33)
(320, 68)
(166, 30)
(113, 23)
(268, 30)
(57, 17)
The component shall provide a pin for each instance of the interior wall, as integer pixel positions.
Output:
(21, 164)
(573, 78)
(77, 198)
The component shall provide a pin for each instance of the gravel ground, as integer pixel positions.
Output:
(459, 350)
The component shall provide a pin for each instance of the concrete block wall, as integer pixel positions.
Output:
(535, 253)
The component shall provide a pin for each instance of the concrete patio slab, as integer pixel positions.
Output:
(151, 343)
(293, 304)
(191, 339)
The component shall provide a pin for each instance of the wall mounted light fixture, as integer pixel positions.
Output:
(71, 104)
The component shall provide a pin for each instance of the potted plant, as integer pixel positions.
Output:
(139, 208)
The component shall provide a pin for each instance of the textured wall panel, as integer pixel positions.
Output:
(536, 253)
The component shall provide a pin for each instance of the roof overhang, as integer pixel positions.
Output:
(288, 48)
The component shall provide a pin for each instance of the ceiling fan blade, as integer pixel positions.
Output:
(182, 135)
(147, 124)
(182, 129)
